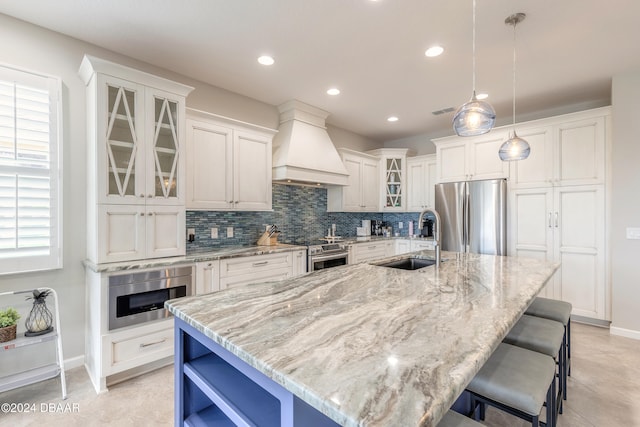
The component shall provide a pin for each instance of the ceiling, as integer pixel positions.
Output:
(373, 51)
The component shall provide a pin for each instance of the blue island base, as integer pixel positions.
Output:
(213, 387)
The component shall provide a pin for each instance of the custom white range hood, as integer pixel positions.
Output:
(302, 150)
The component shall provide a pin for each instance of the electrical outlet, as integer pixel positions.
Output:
(401, 225)
(191, 234)
(633, 233)
(214, 232)
(229, 232)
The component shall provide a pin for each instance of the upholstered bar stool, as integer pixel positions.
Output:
(560, 311)
(517, 381)
(544, 336)
(454, 419)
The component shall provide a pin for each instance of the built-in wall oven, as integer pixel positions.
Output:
(139, 297)
(326, 256)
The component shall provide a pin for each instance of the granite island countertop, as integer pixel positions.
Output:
(369, 345)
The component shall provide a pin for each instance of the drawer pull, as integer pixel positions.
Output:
(144, 345)
(258, 264)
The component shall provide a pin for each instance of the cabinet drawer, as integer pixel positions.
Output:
(257, 277)
(245, 265)
(129, 352)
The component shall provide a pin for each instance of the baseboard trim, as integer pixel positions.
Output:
(73, 362)
(627, 333)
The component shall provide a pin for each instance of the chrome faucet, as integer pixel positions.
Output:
(436, 230)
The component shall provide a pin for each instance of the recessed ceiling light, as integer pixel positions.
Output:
(434, 51)
(482, 96)
(266, 60)
(392, 119)
(333, 91)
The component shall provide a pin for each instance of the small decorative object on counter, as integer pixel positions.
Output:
(8, 321)
(40, 319)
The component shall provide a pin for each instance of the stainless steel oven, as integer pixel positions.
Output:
(326, 256)
(139, 297)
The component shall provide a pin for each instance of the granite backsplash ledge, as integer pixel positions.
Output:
(299, 212)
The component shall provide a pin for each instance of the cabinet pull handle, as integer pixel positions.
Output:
(230, 201)
(372, 247)
(236, 201)
(549, 219)
(144, 345)
(258, 264)
(556, 219)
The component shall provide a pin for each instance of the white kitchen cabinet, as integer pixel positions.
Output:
(255, 269)
(135, 124)
(368, 251)
(420, 245)
(565, 150)
(299, 262)
(112, 355)
(228, 164)
(207, 277)
(362, 194)
(136, 232)
(393, 167)
(567, 225)
(471, 158)
(421, 179)
(402, 246)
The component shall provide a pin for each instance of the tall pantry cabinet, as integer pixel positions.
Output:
(558, 206)
(136, 151)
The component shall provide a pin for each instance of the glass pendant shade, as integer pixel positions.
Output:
(474, 118)
(514, 148)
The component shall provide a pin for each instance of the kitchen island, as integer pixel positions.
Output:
(364, 344)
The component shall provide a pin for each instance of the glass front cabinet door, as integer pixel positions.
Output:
(143, 149)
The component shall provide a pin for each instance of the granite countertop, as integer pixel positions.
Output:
(208, 254)
(369, 345)
(203, 255)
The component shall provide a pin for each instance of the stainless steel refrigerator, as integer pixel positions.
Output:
(473, 215)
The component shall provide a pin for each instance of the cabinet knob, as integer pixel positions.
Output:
(230, 201)
(141, 213)
(150, 213)
(142, 196)
(150, 196)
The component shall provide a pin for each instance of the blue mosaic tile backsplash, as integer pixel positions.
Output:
(299, 212)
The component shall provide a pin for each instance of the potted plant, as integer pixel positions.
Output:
(8, 320)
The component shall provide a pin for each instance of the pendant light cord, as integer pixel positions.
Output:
(473, 51)
(514, 75)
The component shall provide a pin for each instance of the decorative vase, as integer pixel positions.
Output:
(8, 333)
(40, 319)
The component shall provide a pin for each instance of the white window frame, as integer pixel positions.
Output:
(18, 261)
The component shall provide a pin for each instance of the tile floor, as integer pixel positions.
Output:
(604, 391)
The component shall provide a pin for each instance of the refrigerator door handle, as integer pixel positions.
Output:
(556, 219)
(550, 220)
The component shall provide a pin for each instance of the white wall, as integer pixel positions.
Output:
(342, 138)
(40, 50)
(625, 205)
(419, 145)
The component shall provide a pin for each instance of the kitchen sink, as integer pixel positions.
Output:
(409, 263)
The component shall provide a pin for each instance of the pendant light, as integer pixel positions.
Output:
(514, 148)
(474, 117)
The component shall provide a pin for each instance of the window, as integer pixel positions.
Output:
(30, 175)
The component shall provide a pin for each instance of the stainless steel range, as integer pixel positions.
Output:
(326, 255)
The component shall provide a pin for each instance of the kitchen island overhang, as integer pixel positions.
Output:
(370, 345)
